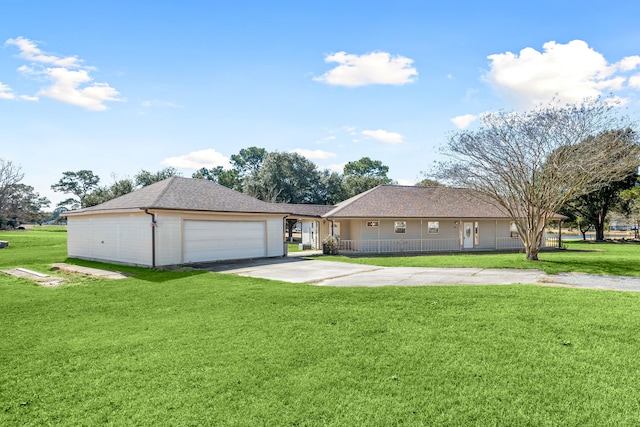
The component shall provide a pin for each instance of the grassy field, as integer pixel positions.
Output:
(618, 259)
(195, 348)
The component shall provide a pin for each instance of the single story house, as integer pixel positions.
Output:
(177, 221)
(184, 221)
(395, 219)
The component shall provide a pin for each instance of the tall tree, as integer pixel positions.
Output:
(592, 208)
(531, 163)
(331, 188)
(364, 174)
(248, 161)
(144, 177)
(285, 177)
(228, 177)
(10, 175)
(118, 188)
(23, 205)
(631, 205)
(78, 184)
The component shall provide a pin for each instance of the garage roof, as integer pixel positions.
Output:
(177, 193)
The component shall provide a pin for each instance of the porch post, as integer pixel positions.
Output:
(560, 234)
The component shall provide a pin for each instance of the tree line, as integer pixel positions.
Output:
(270, 176)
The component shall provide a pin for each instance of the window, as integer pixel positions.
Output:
(513, 230)
(372, 223)
(476, 234)
(433, 227)
(400, 227)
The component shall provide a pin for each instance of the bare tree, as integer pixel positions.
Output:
(10, 176)
(530, 164)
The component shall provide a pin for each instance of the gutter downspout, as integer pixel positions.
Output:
(153, 238)
(285, 245)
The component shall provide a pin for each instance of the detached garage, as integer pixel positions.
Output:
(177, 221)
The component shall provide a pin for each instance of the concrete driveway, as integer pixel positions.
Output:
(329, 273)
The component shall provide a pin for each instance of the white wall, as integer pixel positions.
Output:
(126, 237)
(122, 238)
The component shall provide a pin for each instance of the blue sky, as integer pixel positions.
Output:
(119, 86)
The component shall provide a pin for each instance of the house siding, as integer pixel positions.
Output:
(122, 238)
(168, 238)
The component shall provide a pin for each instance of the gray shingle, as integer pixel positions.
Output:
(395, 201)
(178, 193)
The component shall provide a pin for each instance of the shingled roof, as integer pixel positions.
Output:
(300, 210)
(178, 193)
(396, 201)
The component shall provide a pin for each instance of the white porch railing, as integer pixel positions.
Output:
(399, 246)
(428, 245)
(508, 243)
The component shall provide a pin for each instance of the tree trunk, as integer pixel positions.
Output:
(532, 256)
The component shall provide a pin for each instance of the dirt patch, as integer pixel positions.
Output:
(87, 271)
(40, 278)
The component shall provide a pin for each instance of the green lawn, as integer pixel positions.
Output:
(620, 259)
(194, 348)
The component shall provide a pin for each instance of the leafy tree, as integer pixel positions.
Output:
(285, 177)
(591, 209)
(364, 174)
(24, 205)
(119, 188)
(79, 184)
(331, 188)
(144, 177)
(248, 161)
(530, 164)
(228, 177)
(631, 198)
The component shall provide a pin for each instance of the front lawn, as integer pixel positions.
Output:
(611, 258)
(197, 348)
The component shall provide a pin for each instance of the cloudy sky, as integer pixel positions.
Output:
(119, 86)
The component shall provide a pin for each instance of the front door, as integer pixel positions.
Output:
(467, 232)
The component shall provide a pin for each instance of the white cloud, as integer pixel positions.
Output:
(29, 98)
(383, 136)
(570, 72)
(67, 88)
(5, 92)
(70, 80)
(314, 154)
(628, 63)
(195, 160)
(368, 69)
(30, 52)
(159, 104)
(634, 81)
(462, 122)
(326, 139)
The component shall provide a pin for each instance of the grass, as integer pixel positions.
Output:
(194, 348)
(619, 259)
(293, 247)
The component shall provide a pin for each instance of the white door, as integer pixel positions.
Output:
(223, 240)
(336, 230)
(467, 235)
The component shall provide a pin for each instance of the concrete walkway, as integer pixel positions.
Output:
(329, 273)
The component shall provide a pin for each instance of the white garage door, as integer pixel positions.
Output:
(222, 240)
